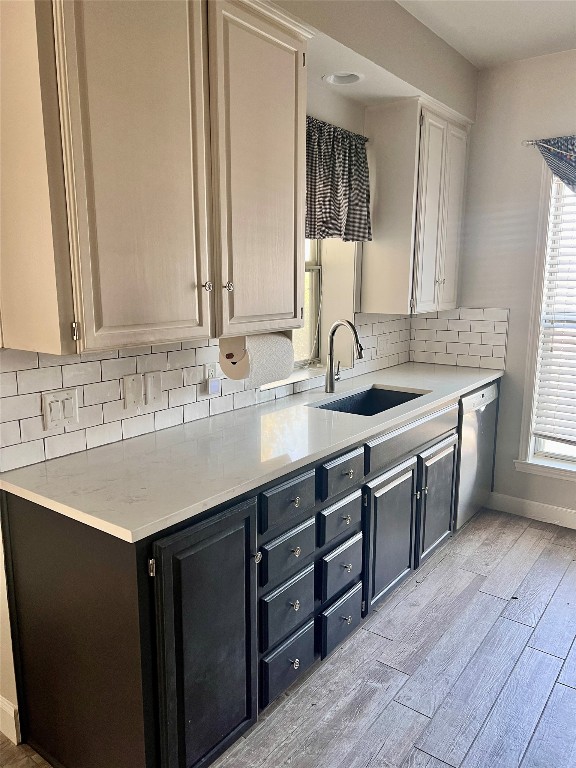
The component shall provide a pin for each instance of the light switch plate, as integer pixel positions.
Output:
(133, 391)
(209, 371)
(60, 408)
(152, 387)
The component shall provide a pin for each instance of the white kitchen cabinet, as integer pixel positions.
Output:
(146, 234)
(417, 163)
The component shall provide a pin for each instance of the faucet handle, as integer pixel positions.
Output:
(337, 374)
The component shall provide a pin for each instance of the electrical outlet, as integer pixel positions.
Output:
(209, 371)
(133, 391)
(152, 387)
(381, 346)
(60, 408)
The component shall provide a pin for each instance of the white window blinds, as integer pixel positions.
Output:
(555, 403)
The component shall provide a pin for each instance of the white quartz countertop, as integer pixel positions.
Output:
(139, 487)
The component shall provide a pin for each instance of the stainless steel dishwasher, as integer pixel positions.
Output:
(478, 413)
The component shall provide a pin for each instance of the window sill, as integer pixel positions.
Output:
(563, 470)
(299, 374)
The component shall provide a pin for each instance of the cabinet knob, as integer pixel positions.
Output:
(297, 501)
(258, 557)
(297, 551)
(426, 491)
(347, 619)
(208, 286)
(295, 663)
(347, 567)
(229, 286)
(347, 519)
(296, 605)
(349, 472)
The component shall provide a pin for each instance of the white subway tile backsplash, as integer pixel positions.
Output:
(101, 392)
(436, 337)
(17, 360)
(182, 396)
(61, 445)
(196, 411)
(19, 455)
(103, 434)
(20, 407)
(81, 373)
(8, 385)
(9, 433)
(137, 425)
(116, 369)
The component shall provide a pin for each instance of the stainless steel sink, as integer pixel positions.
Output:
(370, 401)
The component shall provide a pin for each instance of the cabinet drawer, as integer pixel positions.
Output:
(283, 609)
(287, 500)
(340, 517)
(342, 473)
(341, 567)
(283, 667)
(282, 556)
(383, 451)
(341, 619)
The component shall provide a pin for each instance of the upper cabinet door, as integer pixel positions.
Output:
(258, 105)
(429, 212)
(454, 180)
(133, 87)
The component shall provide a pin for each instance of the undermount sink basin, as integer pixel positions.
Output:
(370, 401)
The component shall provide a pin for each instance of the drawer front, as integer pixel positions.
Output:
(283, 555)
(342, 473)
(341, 567)
(340, 517)
(341, 619)
(383, 451)
(287, 607)
(280, 504)
(283, 667)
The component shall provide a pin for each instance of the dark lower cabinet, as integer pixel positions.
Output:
(391, 505)
(206, 601)
(437, 474)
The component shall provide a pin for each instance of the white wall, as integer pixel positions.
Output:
(534, 98)
(389, 36)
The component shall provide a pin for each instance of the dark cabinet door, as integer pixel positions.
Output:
(206, 621)
(437, 494)
(391, 504)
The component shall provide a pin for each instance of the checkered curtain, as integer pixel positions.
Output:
(337, 183)
(560, 156)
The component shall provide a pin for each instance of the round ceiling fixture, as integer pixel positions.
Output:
(343, 78)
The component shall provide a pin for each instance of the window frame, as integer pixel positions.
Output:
(313, 266)
(531, 459)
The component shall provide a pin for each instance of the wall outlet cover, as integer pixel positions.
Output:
(209, 371)
(60, 408)
(133, 391)
(152, 387)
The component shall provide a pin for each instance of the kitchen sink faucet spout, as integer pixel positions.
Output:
(331, 376)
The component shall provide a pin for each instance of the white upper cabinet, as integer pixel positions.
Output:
(156, 221)
(417, 163)
(258, 108)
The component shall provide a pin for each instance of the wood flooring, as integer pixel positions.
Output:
(471, 663)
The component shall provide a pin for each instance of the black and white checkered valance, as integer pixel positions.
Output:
(560, 156)
(337, 183)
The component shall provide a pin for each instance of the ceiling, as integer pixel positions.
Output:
(492, 32)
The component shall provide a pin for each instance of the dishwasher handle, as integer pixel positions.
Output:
(480, 399)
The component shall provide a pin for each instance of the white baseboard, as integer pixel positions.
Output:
(547, 513)
(9, 722)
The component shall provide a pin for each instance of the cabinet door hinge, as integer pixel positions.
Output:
(421, 118)
(301, 313)
(363, 607)
(304, 58)
(412, 305)
(417, 494)
(75, 327)
(152, 567)
(365, 499)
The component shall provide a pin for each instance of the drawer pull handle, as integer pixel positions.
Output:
(347, 619)
(258, 557)
(297, 551)
(349, 472)
(347, 567)
(296, 605)
(426, 491)
(295, 663)
(347, 519)
(297, 501)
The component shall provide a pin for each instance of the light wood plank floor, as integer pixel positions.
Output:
(471, 662)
